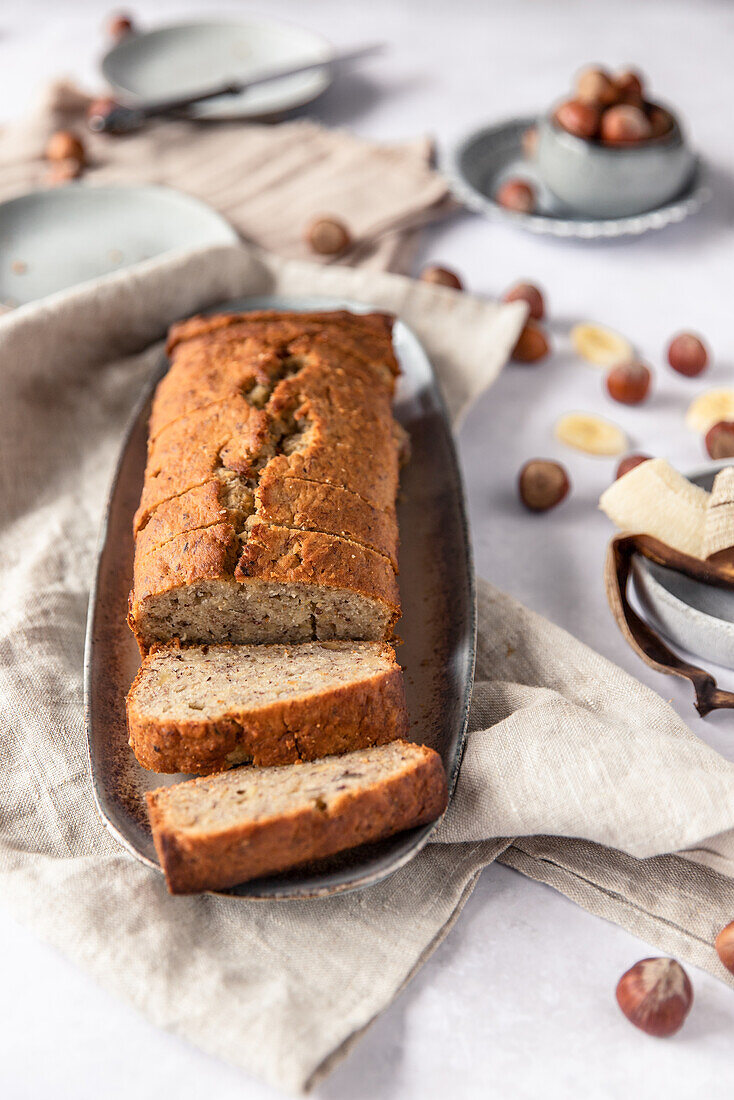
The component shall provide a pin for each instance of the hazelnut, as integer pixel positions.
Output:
(516, 194)
(119, 25)
(629, 383)
(62, 171)
(64, 145)
(577, 118)
(527, 292)
(328, 236)
(655, 995)
(660, 120)
(529, 142)
(720, 439)
(532, 344)
(629, 462)
(99, 110)
(625, 125)
(542, 484)
(687, 354)
(595, 86)
(441, 276)
(724, 944)
(629, 87)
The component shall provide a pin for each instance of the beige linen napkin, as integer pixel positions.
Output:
(562, 744)
(269, 181)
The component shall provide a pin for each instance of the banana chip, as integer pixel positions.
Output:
(600, 345)
(709, 409)
(591, 434)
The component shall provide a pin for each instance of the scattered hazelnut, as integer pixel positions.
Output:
(119, 25)
(62, 171)
(629, 462)
(542, 484)
(516, 194)
(526, 292)
(328, 236)
(529, 142)
(532, 344)
(629, 87)
(655, 995)
(625, 125)
(724, 944)
(660, 120)
(687, 354)
(629, 383)
(64, 145)
(720, 439)
(577, 118)
(441, 276)
(595, 86)
(99, 110)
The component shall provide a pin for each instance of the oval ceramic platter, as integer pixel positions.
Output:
(182, 59)
(52, 240)
(486, 158)
(438, 627)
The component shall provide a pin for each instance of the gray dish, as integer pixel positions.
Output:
(52, 240)
(603, 182)
(183, 58)
(438, 627)
(693, 616)
(484, 159)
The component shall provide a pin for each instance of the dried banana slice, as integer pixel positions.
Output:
(654, 499)
(590, 433)
(709, 409)
(600, 345)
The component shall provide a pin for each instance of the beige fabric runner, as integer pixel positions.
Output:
(562, 744)
(268, 181)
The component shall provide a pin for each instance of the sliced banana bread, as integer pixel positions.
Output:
(202, 709)
(268, 505)
(218, 831)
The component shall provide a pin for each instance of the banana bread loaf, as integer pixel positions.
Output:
(218, 831)
(268, 505)
(202, 709)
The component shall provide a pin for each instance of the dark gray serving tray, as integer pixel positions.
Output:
(437, 629)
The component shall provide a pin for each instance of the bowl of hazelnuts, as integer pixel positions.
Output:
(609, 151)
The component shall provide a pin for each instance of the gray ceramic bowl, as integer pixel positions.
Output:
(612, 182)
(695, 617)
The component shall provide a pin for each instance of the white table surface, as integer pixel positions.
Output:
(519, 1001)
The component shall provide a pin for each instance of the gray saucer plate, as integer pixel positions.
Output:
(184, 58)
(55, 239)
(437, 629)
(484, 159)
(695, 617)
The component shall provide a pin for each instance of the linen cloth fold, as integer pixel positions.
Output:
(269, 181)
(574, 773)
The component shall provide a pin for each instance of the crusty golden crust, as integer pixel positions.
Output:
(313, 506)
(335, 720)
(308, 557)
(366, 335)
(216, 860)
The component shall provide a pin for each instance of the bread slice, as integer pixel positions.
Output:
(202, 709)
(222, 830)
(287, 586)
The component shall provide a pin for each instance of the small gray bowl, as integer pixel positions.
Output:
(694, 616)
(612, 181)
